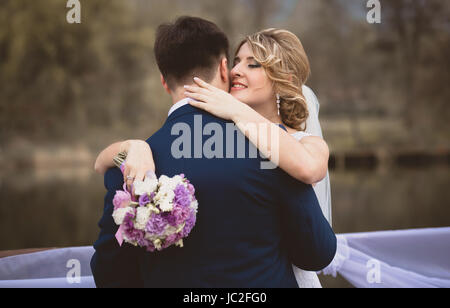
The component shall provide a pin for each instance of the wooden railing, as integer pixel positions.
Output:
(10, 253)
(373, 158)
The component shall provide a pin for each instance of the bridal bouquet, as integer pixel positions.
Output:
(161, 213)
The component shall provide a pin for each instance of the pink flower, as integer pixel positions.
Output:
(170, 240)
(121, 199)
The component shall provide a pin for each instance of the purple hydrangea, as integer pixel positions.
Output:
(128, 220)
(144, 200)
(156, 224)
(178, 215)
(144, 242)
(150, 247)
(130, 232)
(172, 239)
(182, 196)
(191, 189)
(190, 223)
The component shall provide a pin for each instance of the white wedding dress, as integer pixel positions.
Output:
(307, 279)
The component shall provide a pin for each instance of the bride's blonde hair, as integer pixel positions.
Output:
(284, 59)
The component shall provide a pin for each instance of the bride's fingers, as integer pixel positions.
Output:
(192, 89)
(130, 179)
(200, 105)
(150, 174)
(203, 84)
(140, 176)
(197, 96)
(126, 171)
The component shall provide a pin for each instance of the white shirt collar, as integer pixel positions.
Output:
(179, 104)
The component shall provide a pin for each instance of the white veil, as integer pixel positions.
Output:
(322, 188)
(306, 279)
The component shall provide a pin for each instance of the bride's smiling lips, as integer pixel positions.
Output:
(237, 86)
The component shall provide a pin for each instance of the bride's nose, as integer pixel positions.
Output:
(235, 72)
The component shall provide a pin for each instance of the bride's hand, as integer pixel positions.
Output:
(139, 161)
(213, 100)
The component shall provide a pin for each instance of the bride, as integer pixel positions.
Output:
(267, 86)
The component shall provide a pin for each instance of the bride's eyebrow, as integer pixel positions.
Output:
(237, 59)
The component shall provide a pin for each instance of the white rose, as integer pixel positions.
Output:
(169, 183)
(145, 187)
(163, 179)
(194, 205)
(120, 213)
(177, 180)
(151, 237)
(166, 205)
(169, 230)
(164, 195)
(142, 217)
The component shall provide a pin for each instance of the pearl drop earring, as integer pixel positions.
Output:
(278, 103)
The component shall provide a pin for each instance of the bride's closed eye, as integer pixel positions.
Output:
(251, 65)
(254, 65)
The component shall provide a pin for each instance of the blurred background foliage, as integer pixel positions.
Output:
(95, 82)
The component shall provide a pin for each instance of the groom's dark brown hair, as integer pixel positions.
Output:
(190, 47)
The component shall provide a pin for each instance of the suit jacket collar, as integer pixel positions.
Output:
(179, 109)
(178, 104)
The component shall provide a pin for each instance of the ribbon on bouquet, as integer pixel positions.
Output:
(119, 235)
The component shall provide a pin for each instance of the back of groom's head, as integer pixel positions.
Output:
(189, 47)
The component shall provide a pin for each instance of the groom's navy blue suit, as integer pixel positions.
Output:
(252, 224)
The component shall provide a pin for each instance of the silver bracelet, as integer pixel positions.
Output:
(120, 159)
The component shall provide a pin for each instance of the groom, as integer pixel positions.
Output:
(252, 224)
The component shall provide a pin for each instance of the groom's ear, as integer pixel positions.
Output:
(164, 83)
(224, 74)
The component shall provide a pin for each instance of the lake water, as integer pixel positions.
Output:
(61, 208)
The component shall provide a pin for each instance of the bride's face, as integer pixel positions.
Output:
(249, 82)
